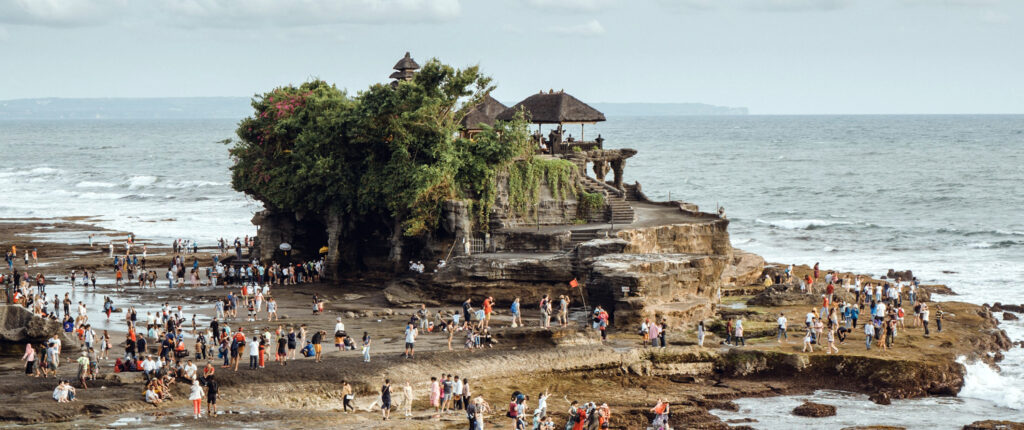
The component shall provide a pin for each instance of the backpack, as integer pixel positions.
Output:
(512, 411)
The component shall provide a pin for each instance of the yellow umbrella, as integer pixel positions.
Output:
(323, 250)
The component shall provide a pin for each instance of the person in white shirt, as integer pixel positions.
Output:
(196, 396)
(782, 328)
(254, 352)
(189, 371)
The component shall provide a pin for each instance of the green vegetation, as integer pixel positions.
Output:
(381, 163)
(525, 177)
(589, 203)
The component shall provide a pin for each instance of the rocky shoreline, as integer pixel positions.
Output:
(569, 362)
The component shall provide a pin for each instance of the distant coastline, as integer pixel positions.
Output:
(238, 108)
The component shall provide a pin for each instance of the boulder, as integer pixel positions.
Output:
(814, 410)
(1008, 316)
(994, 425)
(881, 398)
(743, 269)
(18, 324)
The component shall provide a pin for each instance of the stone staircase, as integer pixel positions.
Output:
(580, 236)
(631, 193)
(617, 209)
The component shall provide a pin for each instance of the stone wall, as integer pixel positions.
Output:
(531, 241)
(549, 210)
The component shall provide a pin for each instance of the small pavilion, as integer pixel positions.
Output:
(557, 108)
(480, 115)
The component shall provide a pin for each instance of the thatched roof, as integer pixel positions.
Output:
(484, 112)
(554, 108)
(397, 75)
(406, 63)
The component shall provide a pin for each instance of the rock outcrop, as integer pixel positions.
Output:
(18, 324)
(744, 268)
(814, 410)
(994, 425)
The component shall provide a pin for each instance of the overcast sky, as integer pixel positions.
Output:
(772, 56)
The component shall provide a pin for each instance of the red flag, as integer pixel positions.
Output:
(573, 283)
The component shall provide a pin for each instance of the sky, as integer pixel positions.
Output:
(771, 56)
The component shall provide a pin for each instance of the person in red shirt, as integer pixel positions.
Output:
(488, 308)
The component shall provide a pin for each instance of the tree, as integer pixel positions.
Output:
(381, 163)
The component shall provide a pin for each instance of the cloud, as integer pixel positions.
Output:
(796, 5)
(588, 29)
(225, 13)
(573, 5)
(756, 5)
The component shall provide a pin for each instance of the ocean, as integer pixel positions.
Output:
(939, 195)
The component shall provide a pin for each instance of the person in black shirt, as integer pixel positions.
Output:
(385, 399)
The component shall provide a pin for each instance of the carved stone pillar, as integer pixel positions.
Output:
(617, 166)
(600, 169)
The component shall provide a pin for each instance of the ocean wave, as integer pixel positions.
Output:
(136, 197)
(983, 382)
(95, 184)
(44, 171)
(801, 224)
(140, 181)
(100, 196)
(993, 245)
(191, 184)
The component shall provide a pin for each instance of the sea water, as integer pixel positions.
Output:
(940, 195)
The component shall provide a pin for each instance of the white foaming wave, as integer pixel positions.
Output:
(44, 171)
(800, 224)
(1004, 387)
(141, 181)
(190, 184)
(100, 196)
(95, 184)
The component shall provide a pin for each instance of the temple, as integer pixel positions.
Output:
(635, 257)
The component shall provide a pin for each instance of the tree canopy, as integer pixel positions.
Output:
(389, 152)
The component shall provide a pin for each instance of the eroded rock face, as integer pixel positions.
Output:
(680, 288)
(710, 238)
(504, 276)
(531, 241)
(814, 410)
(744, 268)
(18, 324)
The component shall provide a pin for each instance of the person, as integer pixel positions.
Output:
(869, 333)
(410, 339)
(924, 318)
(739, 333)
(152, 397)
(317, 349)
(346, 396)
(435, 396)
(488, 308)
(517, 318)
(545, 311)
(366, 346)
(938, 317)
(83, 368)
(700, 333)
(782, 328)
(339, 335)
(212, 388)
(831, 341)
(407, 405)
(808, 341)
(385, 399)
(196, 396)
(471, 415)
(254, 352)
(30, 359)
